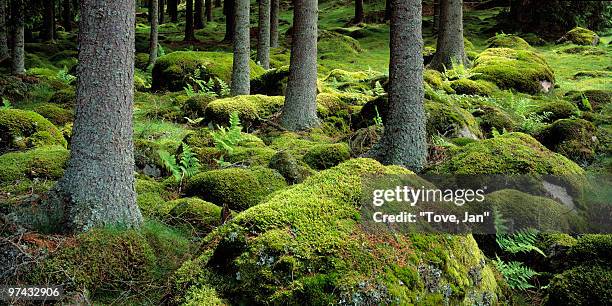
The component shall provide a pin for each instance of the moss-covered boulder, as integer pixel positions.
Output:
(364, 139)
(289, 167)
(65, 97)
(173, 71)
(20, 130)
(581, 285)
(555, 110)
(197, 214)
(580, 36)
(335, 45)
(195, 106)
(325, 156)
(250, 109)
(271, 83)
(42, 163)
(593, 248)
(471, 87)
(492, 118)
(451, 121)
(57, 115)
(235, 188)
(521, 70)
(305, 245)
(596, 98)
(574, 138)
(508, 41)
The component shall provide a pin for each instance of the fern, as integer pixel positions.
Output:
(189, 91)
(169, 161)
(378, 119)
(160, 50)
(226, 139)
(64, 76)
(515, 273)
(522, 241)
(379, 90)
(6, 104)
(458, 71)
(224, 88)
(188, 165)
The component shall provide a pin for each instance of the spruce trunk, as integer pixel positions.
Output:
(263, 41)
(241, 71)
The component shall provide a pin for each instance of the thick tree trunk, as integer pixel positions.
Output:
(4, 50)
(300, 109)
(98, 186)
(189, 33)
(228, 10)
(404, 140)
(387, 10)
(358, 12)
(173, 10)
(209, 10)
(48, 28)
(162, 11)
(450, 47)
(436, 16)
(17, 37)
(154, 33)
(263, 41)
(67, 16)
(199, 14)
(241, 71)
(274, 13)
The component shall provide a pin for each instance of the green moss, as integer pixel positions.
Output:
(557, 110)
(451, 121)
(251, 109)
(594, 248)
(597, 98)
(581, 36)
(293, 143)
(336, 45)
(582, 50)
(237, 188)
(197, 214)
(289, 167)
(272, 83)
(57, 115)
(433, 78)
(491, 118)
(325, 156)
(195, 106)
(66, 97)
(140, 83)
(22, 129)
(521, 70)
(573, 138)
(172, 71)
(470, 87)
(581, 285)
(203, 296)
(141, 60)
(255, 156)
(42, 163)
(508, 41)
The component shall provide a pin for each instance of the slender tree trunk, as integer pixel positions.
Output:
(173, 10)
(4, 50)
(98, 186)
(218, 3)
(209, 10)
(18, 37)
(48, 29)
(358, 12)
(154, 33)
(387, 10)
(274, 13)
(189, 33)
(436, 16)
(241, 71)
(450, 47)
(300, 109)
(263, 41)
(404, 140)
(228, 10)
(67, 16)
(199, 14)
(161, 7)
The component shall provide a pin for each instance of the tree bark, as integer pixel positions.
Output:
(404, 140)
(189, 31)
(218, 3)
(199, 14)
(209, 10)
(228, 10)
(153, 33)
(300, 109)
(173, 10)
(4, 49)
(263, 41)
(241, 71)
(98, 186)
(274, 13)
(48, 28)
(18, 37)
(358, 12)
(387, 10)
(450, 47)
(436, 16)
(161, 7)
(67, 16)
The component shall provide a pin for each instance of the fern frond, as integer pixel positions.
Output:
(170, 164)
(516, 274)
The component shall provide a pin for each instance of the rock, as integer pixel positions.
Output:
(580, 36)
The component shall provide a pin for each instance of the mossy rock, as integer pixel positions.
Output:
(451, 121)
(325, 156)
(146, 155)
(250, 156)
(66, 97)
(141, 60)
(335, 45)
(197, 214)
(251, 109)
(471, 87)
(521, 70)
(434, 78)
(195, 106)
(21, 129)
(294, 143)
(593, 248)
(508, 41)
(57, 115)
(41, 163)
(237, 188)
(289, 167)
(582, 50)
(573, 138)
(14, 88)
(343, 76)
(580, 36)
(597, 98)
(140, 83)
(581, 285)
(272, 82)
(556, 110)
(305, 245)
(172, 71)
(364, 139)
(492, 118)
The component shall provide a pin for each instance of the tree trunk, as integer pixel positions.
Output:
(209, 10)
(263, 41)
(274, 13)
(404, 140)
(154, 33)
(199, 16)
(173, 10)
(436, 16)
(300, 109)
(161, 7)
(450, 47)
(18, 37)
(358, 12)
(4, 50)
(228, 10)
(48, 29)
(67, 16)
(218, 3)
(387, 10)
(241, 71)
(189, 33)
(98, 186)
